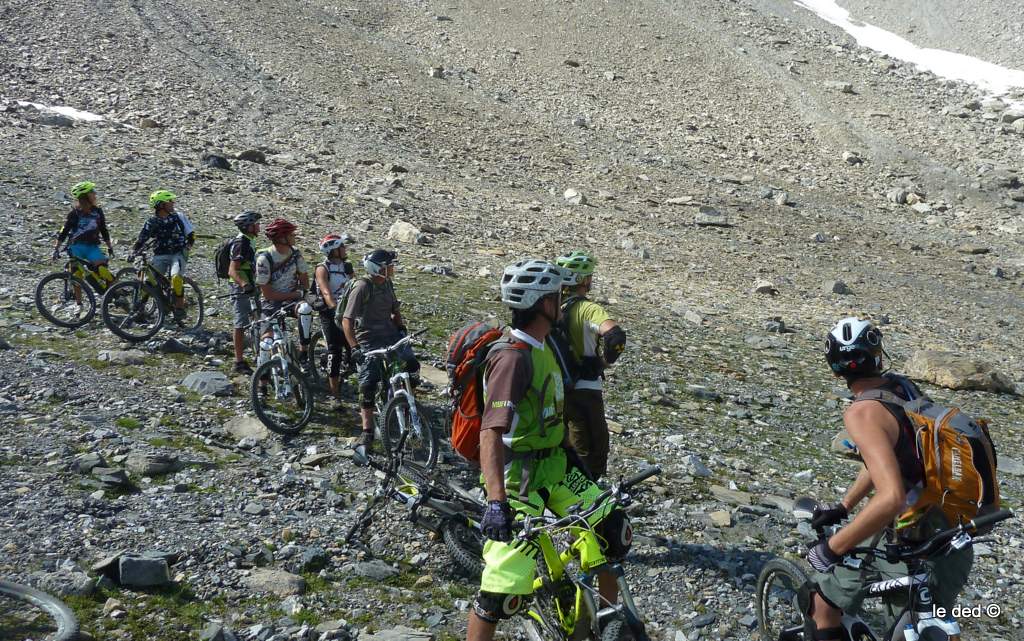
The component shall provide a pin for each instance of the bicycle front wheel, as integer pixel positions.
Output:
(540, 622)
(190, 316)
(420, 445)
(20, 616)
(65, 300)
(465, 546)
(778, 612)
(281, 397)
(133, 311)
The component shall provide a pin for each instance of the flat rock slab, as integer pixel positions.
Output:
(275, 581)
(123, 357)
(436, 376)
(948, 369)
(401, 633)
(375, 570)
(144, 464)
(209, 383)
(247, 427)
(734, 497)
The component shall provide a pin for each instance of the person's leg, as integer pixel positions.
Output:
(243, 313)
(335, 351)
(597, 461)
(579, 432)
(178, 280)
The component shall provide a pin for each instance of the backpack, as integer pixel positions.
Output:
(222, 257)
(464, 360)
(573, 368)
(314, 286)
(956, 453)
(339, 311)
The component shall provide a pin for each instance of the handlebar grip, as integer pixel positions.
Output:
(983, 521)
(654, 470)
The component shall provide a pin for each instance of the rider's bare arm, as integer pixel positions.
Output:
(303, 281)
(492, 464)
(323, 283)
(235, 273)
(875, 431)
(860, 488)
(348, 328)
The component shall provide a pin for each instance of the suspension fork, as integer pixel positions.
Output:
(404, 390)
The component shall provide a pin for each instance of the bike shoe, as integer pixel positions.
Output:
(242, 367)
(179, 314)
(363, 447)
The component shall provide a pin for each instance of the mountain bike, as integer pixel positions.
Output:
(566, 602)
(784, 588)
(281, 396)
(135, 309)
(67, 298)
(27, 613)
(398, 414)
(444, 508)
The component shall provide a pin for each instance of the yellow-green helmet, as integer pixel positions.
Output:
(161, 196)
(82, 189)
(580, 263)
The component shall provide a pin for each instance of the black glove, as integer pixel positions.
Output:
(822, 558)
(497, 522)
(358, 358)
(826, 514)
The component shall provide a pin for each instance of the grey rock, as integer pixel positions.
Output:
(765, 342)
(734, 497)
(149, 123)
(695, 467)
(765, 287)
(1012, 115)
(123, 357)
(574, 196)
(782, 198)
(436, 71)
(836, 287)
(897, 196)
(312, 559)
(1011, 466)
(702, 621)
(146, 464)
(209, 383)
(139, 571)
(400, 633)
(405, 232)
(255, 509)
(247, 427)
(710, 217)
(375, 569)
(63, 582)
(852, 158)
(840, 86)
(53, 120)
(85, 463)
(748, 621)
(174, 346)
(253, 155)
(213, 631)
(215, 161)
(275, 581)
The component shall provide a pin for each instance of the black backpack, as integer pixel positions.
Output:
(222, 256)
(558, 338)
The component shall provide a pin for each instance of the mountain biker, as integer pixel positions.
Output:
(83, 228)
(331, 277)
(170, 241)
(885, 439)
(283, 277)
(372, 320)
(243, 285)
(587, 322)
(523, 458)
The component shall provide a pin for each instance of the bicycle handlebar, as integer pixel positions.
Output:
(527, 530)
(384, 351)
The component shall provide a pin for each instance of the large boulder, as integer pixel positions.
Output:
(142, 571)
(246, 426)
(405, 232)
(209, 383)
(146, 464)
(955, 371)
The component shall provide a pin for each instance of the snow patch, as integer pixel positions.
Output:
(987, 76)
(70, 112)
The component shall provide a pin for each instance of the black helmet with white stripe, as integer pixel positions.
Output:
(246, 218)
(853, 348)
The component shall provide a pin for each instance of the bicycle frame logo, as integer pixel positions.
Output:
(902, 582)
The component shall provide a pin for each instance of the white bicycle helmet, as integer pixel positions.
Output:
(377, 261)
(526, 282)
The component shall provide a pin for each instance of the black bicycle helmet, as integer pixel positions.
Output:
(853, 348)
(377, 260)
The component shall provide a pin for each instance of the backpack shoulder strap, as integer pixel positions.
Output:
(884, 396)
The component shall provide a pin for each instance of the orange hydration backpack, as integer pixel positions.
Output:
(467, 351)
(957, 455)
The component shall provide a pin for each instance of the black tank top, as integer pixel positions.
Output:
(906, 446)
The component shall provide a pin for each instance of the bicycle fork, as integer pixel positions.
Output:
(626, 607)
(414, 413)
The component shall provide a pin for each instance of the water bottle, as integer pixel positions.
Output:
(909, 633)
(266, 344)
(950, 625)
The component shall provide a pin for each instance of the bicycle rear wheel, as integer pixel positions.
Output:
(281, 397)
(540, 622)
(420, 446)
(133, 311)
(65, 300)
(779, 615)
(26, 613)
(465, 546)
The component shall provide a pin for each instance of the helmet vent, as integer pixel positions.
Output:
(847, 333)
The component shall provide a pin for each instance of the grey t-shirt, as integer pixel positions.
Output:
(372, 316)
(285, 276)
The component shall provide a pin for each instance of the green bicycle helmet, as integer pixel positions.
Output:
(82, 189)
(161, 196)
(580, 263)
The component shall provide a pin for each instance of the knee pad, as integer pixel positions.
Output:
(492, 607)
(177, 285)
(305, 313)
(616, 534)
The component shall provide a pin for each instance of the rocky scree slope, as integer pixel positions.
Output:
(471, 123)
